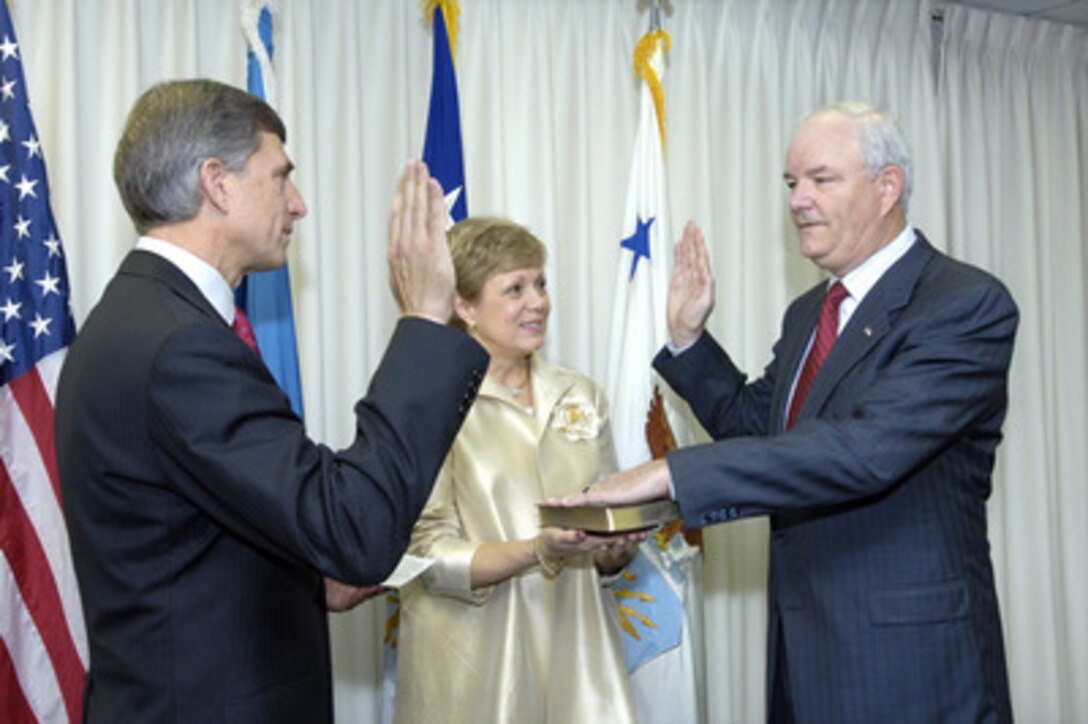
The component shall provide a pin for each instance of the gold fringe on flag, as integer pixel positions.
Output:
(451, 9)
(644, 50)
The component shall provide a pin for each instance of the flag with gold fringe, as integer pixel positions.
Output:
(658, 596)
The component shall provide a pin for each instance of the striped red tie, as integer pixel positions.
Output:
(826, 331)
(243, 329)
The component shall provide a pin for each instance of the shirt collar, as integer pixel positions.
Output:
(860, 280)
(206, 277)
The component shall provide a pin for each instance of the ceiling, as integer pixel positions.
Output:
(1074, 12)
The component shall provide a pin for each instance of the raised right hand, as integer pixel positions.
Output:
(420, 269)
(691, 291)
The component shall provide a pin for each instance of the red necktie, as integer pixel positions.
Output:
(243, 329)
(826, 331)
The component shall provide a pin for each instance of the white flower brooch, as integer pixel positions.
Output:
(577, 420)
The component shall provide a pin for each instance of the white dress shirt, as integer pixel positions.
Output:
(206, 277)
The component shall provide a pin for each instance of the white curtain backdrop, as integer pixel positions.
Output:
(996, 109)
(1014, 104)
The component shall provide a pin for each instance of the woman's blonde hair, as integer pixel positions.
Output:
(482, 246)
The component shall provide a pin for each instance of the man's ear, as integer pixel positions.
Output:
(213, 183)
(891, 180)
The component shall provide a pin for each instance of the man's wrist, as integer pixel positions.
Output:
(667, 473)
(677, 345)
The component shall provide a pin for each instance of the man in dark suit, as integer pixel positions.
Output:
(881, 591)
(203, 520)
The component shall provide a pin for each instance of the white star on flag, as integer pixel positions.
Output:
(33, 147)
(26, 187)
(53, 245)
(40, 325)
(451, 201)
(10, 310)
(8, 49)
(14, 270)
(22, 227)
(49, 284)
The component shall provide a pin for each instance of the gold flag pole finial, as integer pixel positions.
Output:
(649, 44)
(451, 9)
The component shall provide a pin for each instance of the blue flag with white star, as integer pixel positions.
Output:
(442, 144)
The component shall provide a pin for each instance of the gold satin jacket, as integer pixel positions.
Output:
(527, 649)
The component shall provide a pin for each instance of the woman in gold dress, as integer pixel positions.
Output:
(511, 622)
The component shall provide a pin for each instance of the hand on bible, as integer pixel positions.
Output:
(649, 481)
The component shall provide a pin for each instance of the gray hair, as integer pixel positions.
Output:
(879, 138)
(173, 128)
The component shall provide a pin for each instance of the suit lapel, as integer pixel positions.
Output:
(794, 346)
(868, 324)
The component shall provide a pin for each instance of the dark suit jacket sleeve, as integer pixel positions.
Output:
(230, 443)
(716, 390)
(932, 373)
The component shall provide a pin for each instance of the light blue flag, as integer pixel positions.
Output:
(650, 609)
(265, 297)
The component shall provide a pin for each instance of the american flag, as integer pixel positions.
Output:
(43, 648)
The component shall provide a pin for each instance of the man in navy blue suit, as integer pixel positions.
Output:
(875, 467)
(204, 521)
